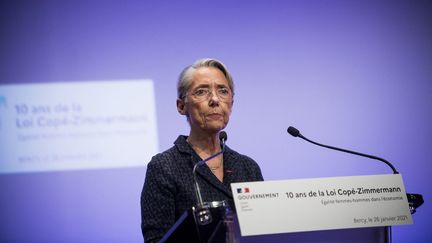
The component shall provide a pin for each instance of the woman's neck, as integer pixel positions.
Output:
(206, 144)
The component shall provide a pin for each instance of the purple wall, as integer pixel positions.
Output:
(351, 74)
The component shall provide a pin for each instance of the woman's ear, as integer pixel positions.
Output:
(181, 107)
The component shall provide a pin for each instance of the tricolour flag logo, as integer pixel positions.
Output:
(243, 190)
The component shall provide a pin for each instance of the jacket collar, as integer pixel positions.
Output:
(182, 145)
(203, 171)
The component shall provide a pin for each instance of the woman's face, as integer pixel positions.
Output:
(208, 102)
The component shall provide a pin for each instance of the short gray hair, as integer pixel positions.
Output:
(184, 80)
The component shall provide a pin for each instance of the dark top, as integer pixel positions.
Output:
(169, 191)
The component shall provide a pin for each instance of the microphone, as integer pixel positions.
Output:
(296, 133)
(203, 214)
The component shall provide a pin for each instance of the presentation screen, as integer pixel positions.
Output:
(77, 125)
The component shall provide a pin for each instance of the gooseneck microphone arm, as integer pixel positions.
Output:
(197, 187)
(296, 133)
(414, 200)
(222, 138)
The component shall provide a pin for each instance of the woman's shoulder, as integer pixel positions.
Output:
(165, 156)
(170, 162)
(239, 157)
(245, 164)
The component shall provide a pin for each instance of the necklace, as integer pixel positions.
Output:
(214, 168)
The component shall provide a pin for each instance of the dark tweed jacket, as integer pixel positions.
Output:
(169, 191)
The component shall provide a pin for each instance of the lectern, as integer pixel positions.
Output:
(225, 228)
(285, 226)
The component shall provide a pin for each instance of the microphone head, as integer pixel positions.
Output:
(293, 131)
(223, 136)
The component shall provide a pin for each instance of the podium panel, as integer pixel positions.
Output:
(308, 205)
(358, 235)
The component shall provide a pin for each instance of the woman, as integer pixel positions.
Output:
(205, 96)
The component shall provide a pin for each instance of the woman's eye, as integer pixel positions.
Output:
(201, 92)
(223, 91)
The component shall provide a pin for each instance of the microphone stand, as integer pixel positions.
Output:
(414, 200)
(202, 212)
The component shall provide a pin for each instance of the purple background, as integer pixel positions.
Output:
(351, 74)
